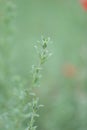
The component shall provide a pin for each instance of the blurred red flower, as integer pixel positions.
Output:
(84, 4)
(69, 70)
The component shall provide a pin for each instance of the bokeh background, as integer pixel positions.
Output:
(64, 82)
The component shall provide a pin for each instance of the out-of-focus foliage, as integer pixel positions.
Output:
(64, 87)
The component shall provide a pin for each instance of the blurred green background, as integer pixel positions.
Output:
(65, 22)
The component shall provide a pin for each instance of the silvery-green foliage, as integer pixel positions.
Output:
(19, 104)
(43, 54)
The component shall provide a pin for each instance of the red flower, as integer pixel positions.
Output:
(69, 70)
(84, 4)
